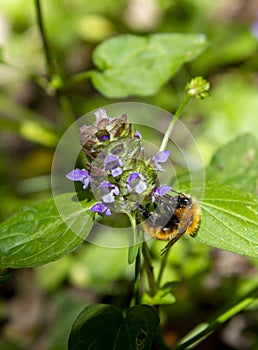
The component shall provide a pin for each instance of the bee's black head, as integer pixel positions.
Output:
(183, 201)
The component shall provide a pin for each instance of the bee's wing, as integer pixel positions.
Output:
(167, 205)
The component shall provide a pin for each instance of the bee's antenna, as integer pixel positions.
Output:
(172, 190)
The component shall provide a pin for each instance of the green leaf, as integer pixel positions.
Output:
(132, 253)
(37, 234)
(101, 327)
(229, 218)
(236, 163)
(137, 65)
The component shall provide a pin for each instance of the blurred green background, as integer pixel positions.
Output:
(38, 306)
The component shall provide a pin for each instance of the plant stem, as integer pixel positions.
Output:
(137, 295)
(149, 269)
(52, 70)
(48, 58)
(162, 267)
(172, 123)
(232, 310)
(134, 255)
(77, 78)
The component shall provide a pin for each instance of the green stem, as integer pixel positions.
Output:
(162, 148)
(137, 279)
(149, 269)
(134, 255)
(48, 58)
(162, 267)
(52, 71)
(238, 306)
(172, 123)
(77, 78)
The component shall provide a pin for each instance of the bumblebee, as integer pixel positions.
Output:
(172, 217)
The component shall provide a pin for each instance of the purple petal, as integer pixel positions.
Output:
(115, 191)
(98, 208)
(108, 212)
(162, 156)
(138, 135)
(77, 175)
(159, 167)
(104, 138)
(108, 198)
(86, 182)
(134, 176)
(105, 184)
(112, 162)
(140, 187)
(116, 172)
(160, 191)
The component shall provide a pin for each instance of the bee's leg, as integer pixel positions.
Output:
(171, 242)
(145, 214)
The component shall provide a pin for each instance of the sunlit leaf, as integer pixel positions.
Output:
(137, 65)
(236, 163)
(36, 234)
(229, 219)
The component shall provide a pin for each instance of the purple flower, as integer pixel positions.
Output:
(134, 176)
(136, 183)
(138, 135)
(104, 138)
(108, 191)
(86, 182)
(108, 198)
(106, 184)
(114, 164)
(100, 208)
(81, 175)
(161, 157)
(160, 191)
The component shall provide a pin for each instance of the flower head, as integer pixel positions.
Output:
(116, 165)
(198, 87)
